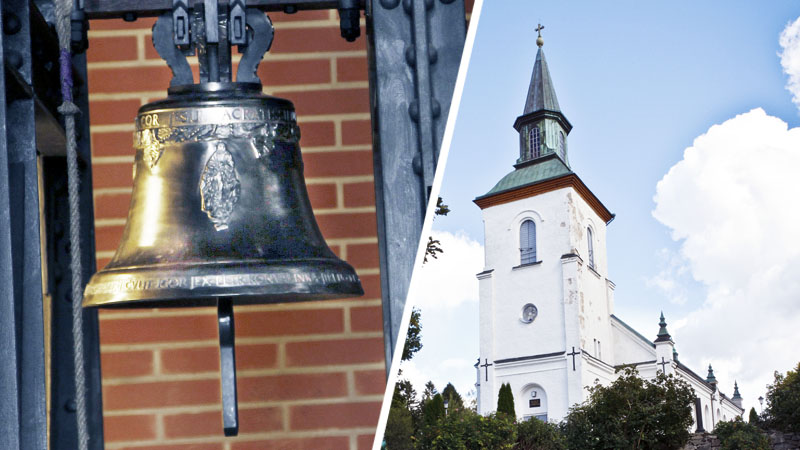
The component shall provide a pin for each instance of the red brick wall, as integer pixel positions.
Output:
(311, 375)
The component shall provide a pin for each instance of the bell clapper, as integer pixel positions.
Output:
(227, 356)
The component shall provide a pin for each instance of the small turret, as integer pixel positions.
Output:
(665, 348)
(710, 378)
(737, 398)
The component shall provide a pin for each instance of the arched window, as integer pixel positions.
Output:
(536, 142)
(527, 242)
(562, 144)
(591, 247)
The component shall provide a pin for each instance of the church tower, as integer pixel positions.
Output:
(545, 296)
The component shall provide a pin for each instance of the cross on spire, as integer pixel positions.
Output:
(539, 40)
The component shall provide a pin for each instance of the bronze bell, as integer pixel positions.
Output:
(219, 208)
(219, 215)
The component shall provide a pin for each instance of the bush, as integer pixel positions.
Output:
(632, 413)
(739, 435)
(468, 430)
(753, 417)
(783, 402)
(505, 401)
(534, 434)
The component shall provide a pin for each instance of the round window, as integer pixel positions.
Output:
(529, 313)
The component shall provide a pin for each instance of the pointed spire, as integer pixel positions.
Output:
(663, 334)
(710, 378)
(542, 127)
(736, 395)
(674, 354)
(541, 93)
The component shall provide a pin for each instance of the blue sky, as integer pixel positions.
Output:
(640, 81)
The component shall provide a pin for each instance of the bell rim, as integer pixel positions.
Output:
(282, 282)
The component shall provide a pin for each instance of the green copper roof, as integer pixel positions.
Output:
(544, 168)
(663, 334)
(736, 394)
(541, 94)
(710, 378)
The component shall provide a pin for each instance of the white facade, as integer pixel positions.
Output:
(575, 304)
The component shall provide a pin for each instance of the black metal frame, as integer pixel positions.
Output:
(410, 86)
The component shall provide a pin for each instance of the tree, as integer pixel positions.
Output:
(453, 398)
(753, 416)
(632, 413)
(740, 435)
(505, 401)
(434, 246)
(429, 392)
(468, 430)
(399, 428)
(403, 417)
(783, 402)
(413, 342)
(534, 434)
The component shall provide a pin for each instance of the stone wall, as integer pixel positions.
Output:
(779, 441)
(784, 441)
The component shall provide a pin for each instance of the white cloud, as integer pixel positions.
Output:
(732, 202)
(790, 58)
(450, 280)
(672, 278)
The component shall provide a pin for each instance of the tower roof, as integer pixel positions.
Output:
(541, 93)
(736, 394)
(663, 334)
(710, 378)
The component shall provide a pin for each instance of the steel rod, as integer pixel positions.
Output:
(227, 356)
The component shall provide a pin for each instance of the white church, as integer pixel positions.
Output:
(547, 323)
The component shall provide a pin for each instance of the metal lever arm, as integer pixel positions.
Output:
(227, 364)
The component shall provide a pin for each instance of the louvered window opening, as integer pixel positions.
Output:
(536, 142)
(562, 144)
(527, 242)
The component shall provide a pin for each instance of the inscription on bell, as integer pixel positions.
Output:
(219, 281)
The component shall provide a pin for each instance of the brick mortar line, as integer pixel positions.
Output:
(143, 61)
(250, 373)
(211, 407)
(126, 159)
(120, 221)
(290, 88)
(309, 181)
(200, 343)
(245, 437)
(169, 312)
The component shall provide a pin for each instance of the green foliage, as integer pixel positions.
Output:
(753, 417)
(739, 435)
(534, 434)
(505, 402)
(434, 247)
(453, 398)
(632, 413)
(433, 410)
(783, 402)
(468, 430)
(429, 392)
(399, 428)
(413, 342)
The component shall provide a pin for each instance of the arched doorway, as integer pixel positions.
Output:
(534, 402)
